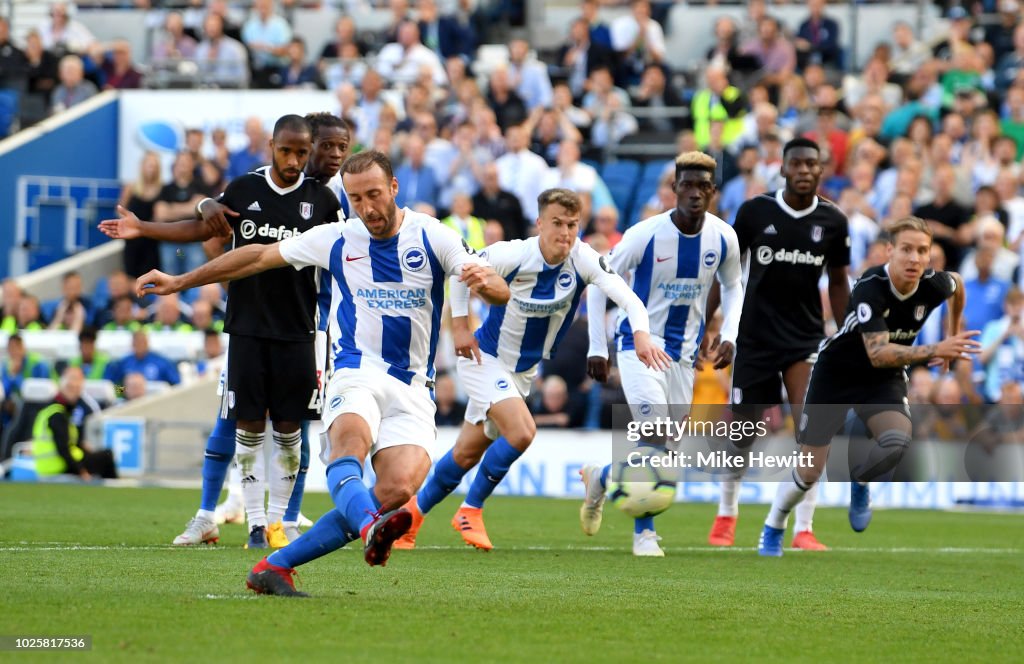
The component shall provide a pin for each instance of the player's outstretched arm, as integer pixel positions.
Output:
(838, 292)
(243, 262)
(486, 283)
(885, 355)
(466, 344)
(127, 226)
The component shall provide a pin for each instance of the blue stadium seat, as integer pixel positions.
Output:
(621, 178)
(652, 172)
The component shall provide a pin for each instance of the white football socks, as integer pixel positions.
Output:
(249, 456)
(284, 466)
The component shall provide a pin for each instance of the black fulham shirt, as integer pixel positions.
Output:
(280, 303)
(789, 251)
(875, 306)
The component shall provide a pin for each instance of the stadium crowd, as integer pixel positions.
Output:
(932, 129)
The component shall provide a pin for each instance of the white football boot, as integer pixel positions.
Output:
(593, 503)
(646, 544)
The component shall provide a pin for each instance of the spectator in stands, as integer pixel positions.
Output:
(118, 286)
(569, 172)
(488, 133)
(168, 316)
(545, 134)
(518, 169)
(399, 14)
(461, 31)
(134, 386)
(73, 88)
(213, 357)
(62, 34)
(153, 366)
(71, 312)
(1003, 425)
(119, 72)
(494, 203)
(267, 36)
(958, 37)
(172, 43)
(556, 407)
(350, 68)
(719, 100)
(178, 200)
(19, 365)
(1012, 63)
(1002, 346)
(123, 315)
(143, 254)
(776, 53)
(580, 55)
(872, 81)
(58, 444)
(638, 40)
(761, 123)
(203, 317)
(344, 33)
(465, 169)
(943, 214)
(817, 38)
(989, 232)
(438, 152)
(255, 154)
(298, 74)
(726, 163)
(9, 314)
(725, 54)
(600, 33)
(42, 71)
(462, 221)
(985, 293)
(405, 59)
(91, 361)
(606, 225)
(908, 53)
(653, 93)
(528, 76)
(562, 102)
(222, 60)
(509, 108)
(830, 137)
(416, 181)
(13, 63)
(450, 410)
(734, 191)
(30, 317)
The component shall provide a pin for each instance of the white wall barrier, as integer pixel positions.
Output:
(549, 468)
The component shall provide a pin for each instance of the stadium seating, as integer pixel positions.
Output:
(621, 178)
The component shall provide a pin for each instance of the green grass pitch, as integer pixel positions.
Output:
(917, 586)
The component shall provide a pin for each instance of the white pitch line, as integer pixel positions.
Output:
(54, 546)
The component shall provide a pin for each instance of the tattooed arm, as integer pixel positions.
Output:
(885, 355)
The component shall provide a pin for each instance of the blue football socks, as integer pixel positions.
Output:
(446, 477)
(496, 462)
(220, 450)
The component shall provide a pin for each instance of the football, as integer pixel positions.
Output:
(640, 488)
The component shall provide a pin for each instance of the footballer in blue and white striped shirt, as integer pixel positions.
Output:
(388, 271)
(547, 275)
(673, 258)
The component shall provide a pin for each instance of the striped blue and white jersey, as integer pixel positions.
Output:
(387, 295)
(544, 299)
(672, 274)
(335, 185)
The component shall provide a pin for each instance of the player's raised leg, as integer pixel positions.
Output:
(517, 428)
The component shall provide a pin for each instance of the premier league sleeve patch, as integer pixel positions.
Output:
(863, 312)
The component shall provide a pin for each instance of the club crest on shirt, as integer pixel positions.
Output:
(566, 280)
(710, 258)
(919, 312)
(306, 210)
(817, 233)
(414, 259)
